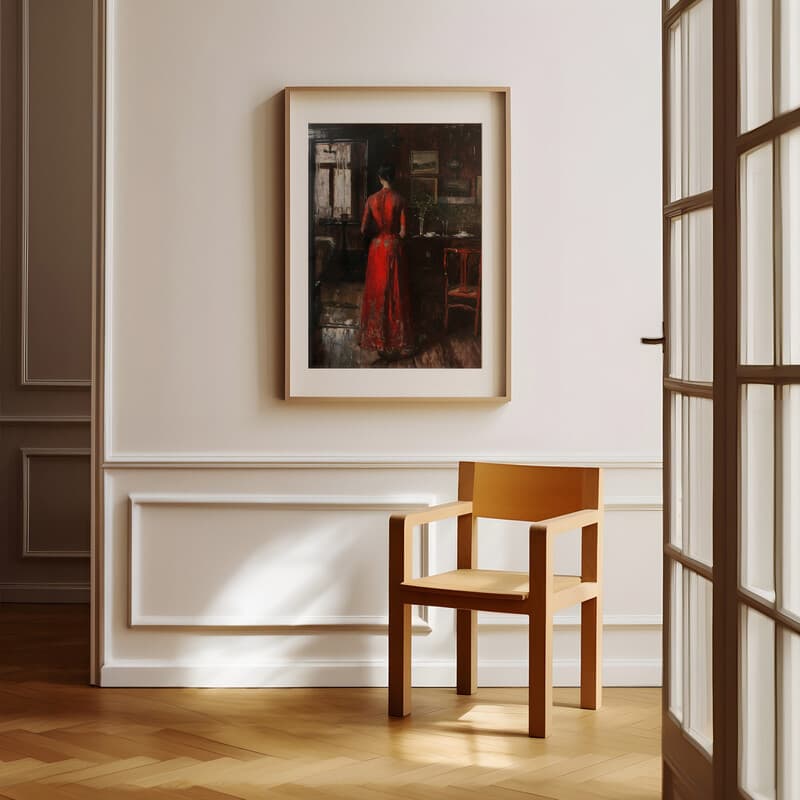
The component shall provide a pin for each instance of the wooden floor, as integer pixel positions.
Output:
(60, 739)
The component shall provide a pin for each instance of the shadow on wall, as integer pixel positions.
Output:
(269, 244)
(288, 576)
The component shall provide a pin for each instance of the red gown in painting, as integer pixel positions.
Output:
(386, 308)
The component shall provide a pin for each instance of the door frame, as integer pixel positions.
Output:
(99, 152)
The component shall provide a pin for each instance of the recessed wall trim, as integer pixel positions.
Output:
(25, 377)
(27, 454)
(283, 623)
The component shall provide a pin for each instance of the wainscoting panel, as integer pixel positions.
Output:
(44, 467)
(275, 568)
(55, 330)
(275, 575)
(55, 502)
(45, 299)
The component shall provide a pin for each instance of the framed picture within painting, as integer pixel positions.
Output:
(422, 188)
(457, 191)
(424, 162)
(397, 280)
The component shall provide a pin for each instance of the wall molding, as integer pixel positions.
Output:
(27, 454)
(367, 672)
(248, 461)
(16, 419)
(44, 592)
(279, 624)
(643, 503)
(489, 620)
(25, 378)
(362, 623)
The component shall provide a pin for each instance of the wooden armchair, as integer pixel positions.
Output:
(555, 500)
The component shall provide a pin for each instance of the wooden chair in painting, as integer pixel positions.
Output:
(462, 282)
(554, 500)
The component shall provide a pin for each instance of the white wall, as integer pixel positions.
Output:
(195, 331)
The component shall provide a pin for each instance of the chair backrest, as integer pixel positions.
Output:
(462, 265)
(528, 493)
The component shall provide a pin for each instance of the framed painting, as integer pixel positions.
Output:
(397, 280)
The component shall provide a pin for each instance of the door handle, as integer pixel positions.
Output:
(654, 339)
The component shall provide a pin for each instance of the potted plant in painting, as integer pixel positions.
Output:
(423, 203)
(462, 217)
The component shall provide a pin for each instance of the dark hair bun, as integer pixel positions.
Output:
(386, 172)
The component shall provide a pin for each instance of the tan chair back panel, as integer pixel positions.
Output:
(527, 493)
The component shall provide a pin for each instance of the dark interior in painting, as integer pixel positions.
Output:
(437, 174)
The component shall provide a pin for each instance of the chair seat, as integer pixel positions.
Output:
(463, 291)
(487, 582)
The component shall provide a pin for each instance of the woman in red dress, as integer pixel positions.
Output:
(386, 308)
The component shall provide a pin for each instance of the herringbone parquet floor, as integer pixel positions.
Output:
(63, 740)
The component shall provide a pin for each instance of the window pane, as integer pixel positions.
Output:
(676, 641)
(700, 478)
(701, 295)
(758, 482)
(791, 501)
(676, 112)
(755, 190)
(789, 57)
(691, 476)
(755, 63)
(676, 262)
(757, 764)
(700, 719)
(789, 723)
(790, 241)
(699, 105)
(690, 102)
(691, 296)
(677, 432)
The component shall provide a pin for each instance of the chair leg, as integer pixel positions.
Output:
(466, 652)
(591, 653)
(399, 659)
(540, 673)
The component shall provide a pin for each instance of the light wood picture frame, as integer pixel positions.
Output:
(346, 148)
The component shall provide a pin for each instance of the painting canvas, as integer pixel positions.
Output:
(394, 271)
(397, 243)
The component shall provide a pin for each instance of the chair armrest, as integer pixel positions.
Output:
(567, 522)
(401, 527)
(459, 508)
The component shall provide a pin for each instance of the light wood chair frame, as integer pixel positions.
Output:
(540, 603)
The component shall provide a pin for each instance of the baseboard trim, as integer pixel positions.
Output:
(616, 672)
(44, 592)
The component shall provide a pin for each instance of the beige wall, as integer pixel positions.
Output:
(45, 297)
(226, 478)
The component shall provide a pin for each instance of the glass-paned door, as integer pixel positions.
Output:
(731, 72)
(689, 222)
(767, 384)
